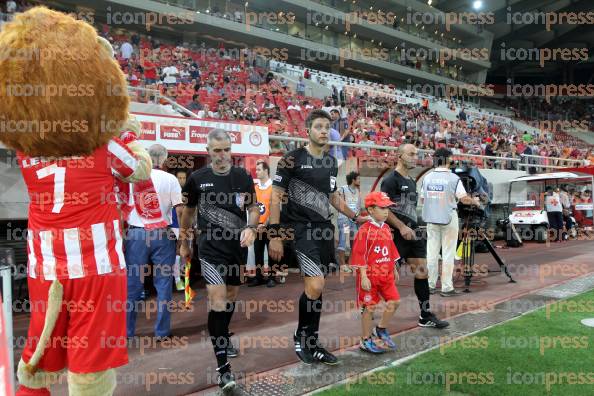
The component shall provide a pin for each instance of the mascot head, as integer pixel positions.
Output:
(61, 91)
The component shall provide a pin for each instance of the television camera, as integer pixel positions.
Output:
(474, 220)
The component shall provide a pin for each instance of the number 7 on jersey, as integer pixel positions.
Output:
(59, 176)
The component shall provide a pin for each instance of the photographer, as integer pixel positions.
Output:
(440, 192)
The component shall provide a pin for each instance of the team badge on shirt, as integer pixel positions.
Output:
(332, 182)
(239, 200)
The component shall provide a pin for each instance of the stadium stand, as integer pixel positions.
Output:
(224, 84)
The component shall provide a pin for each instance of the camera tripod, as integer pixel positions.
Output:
(468, 244)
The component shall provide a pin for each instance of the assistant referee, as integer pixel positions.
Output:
(305, 182)
(409, 240)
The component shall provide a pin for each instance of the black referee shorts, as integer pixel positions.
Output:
(314, 247)
(221, 260)
(416, 248)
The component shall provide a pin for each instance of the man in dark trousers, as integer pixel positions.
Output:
(222, 193)
(412, 246)
(305, 182)
(263, 186)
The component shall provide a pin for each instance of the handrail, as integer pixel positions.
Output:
(519, 163)
(6, 268)
(173, 103)
(555, 158)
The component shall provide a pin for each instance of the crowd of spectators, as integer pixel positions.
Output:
(230, 85)
(383, 121)
(577, 111)
(227, 84)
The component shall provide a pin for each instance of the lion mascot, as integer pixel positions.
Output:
(63, 104)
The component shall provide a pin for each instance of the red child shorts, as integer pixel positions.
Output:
(381, 287)
(90, 332)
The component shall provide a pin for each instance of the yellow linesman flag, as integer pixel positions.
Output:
(188, 290)
(461, 252)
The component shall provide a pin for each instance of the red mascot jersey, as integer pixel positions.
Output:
(74, 228)
(374, 248)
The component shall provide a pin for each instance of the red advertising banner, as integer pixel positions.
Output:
(173, 132)
(189, 135)
(198, 134)
(148, 130)
(235, 137)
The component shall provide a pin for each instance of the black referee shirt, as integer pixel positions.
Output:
(222, 200)
(403, 192)
(308, 181)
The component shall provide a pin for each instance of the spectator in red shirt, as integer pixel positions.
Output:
(150, 71)
(132, 79)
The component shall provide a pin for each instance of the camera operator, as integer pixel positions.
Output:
(440, 192)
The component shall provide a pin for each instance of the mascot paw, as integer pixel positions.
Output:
(102, 383)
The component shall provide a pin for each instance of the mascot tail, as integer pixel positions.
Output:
(54, 303)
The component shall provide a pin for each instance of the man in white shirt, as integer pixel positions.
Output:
(294, 106)
(205, 112)
(171, 74)
(554, 209)
(144, 244)
(441, 190)
(127, 50)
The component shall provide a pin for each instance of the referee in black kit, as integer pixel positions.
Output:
(305, 182)
(222, 193)
(408, 238)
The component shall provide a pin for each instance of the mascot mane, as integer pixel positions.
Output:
(62, 93)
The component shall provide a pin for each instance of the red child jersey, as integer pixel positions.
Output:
(374, 248)
(73, 228)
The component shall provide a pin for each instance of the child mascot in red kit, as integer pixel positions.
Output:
(374, 255)
(64, 101)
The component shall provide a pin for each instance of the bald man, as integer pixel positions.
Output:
(410, 241)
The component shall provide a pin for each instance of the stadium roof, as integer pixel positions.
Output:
(534, 35)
